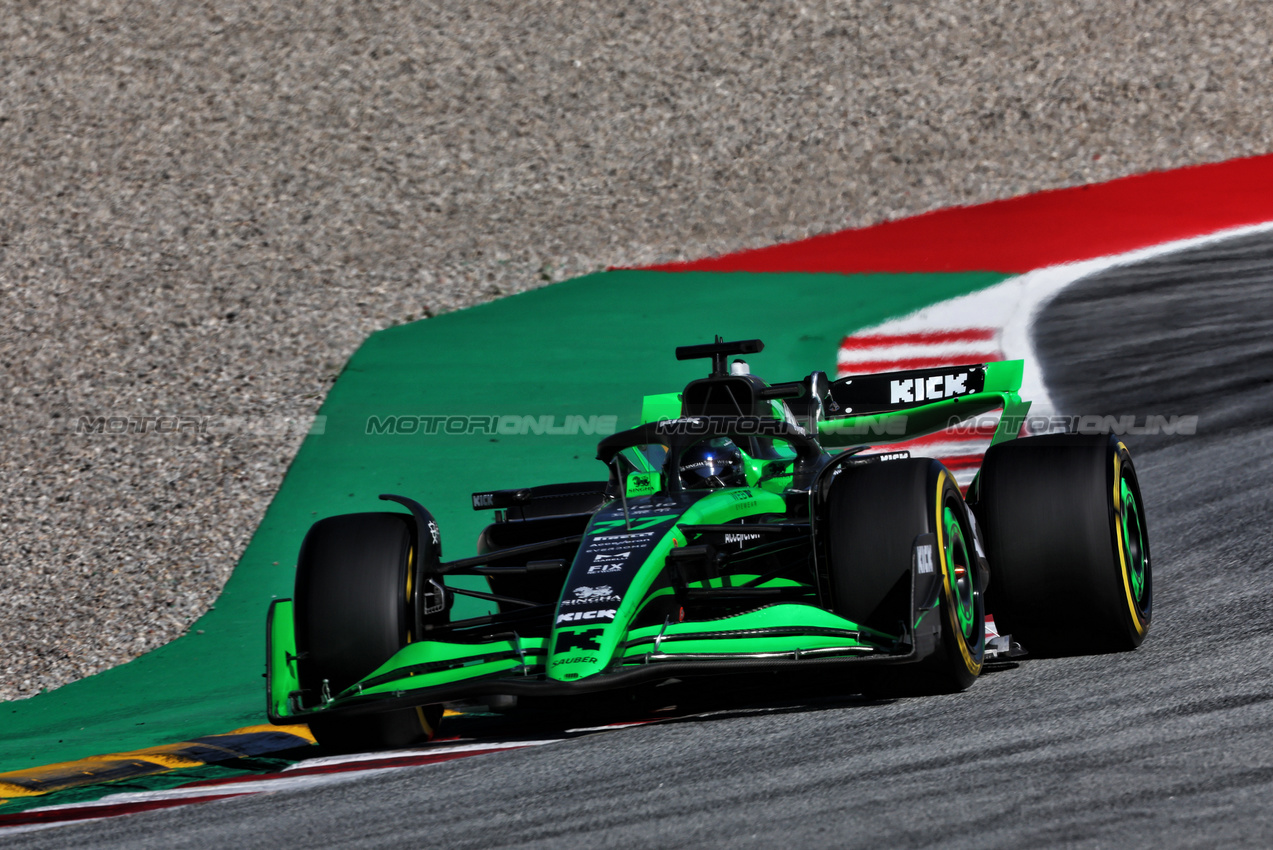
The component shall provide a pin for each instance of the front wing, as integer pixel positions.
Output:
(791, 636)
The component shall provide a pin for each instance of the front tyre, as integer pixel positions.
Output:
(355, 588)
(875, 512)
(1067, 542)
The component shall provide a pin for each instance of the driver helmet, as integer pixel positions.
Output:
(711, 464)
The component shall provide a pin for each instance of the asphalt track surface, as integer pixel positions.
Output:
(1169, 745)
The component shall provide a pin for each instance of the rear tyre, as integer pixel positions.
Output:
(1067, 544)
(354, 609)
(875, 512)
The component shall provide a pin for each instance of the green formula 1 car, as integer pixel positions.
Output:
(726, 538)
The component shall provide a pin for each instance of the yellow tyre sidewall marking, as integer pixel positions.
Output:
(974, 667)
(410, 587)
(1118, 538)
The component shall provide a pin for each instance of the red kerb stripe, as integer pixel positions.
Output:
(1020, 234)
(918, 338)
(954, 464)
(868, 367)
(104, 811)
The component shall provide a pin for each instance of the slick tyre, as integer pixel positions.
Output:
(875, 513)
(354, 609)
(1065, 535)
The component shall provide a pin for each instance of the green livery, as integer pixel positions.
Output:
(726, 536)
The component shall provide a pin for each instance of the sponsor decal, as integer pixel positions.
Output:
(578, 659)
(644, 509)
(587, 595)
(924, 559)
(433, 532)
(740, 538)
(908, 390)
(641, 484)
(619, 542)
(588, 640)
(863, 460)
(603, 615)
(593, 592)
(742, 495)
(483, 500)
(608, 562)
(606, 525)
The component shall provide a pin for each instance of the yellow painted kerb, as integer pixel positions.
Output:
(248, 741)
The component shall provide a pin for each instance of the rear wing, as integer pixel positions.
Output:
(886, 407)
(890, 407)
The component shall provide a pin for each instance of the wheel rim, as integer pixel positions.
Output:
(963, 594)
(1133, 541)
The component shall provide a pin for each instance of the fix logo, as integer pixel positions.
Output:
(604, 615)
(909, 390)
(602, 569)
(589, 640)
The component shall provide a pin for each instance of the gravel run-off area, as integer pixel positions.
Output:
(206, 207)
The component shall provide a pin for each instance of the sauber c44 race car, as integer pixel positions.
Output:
(728, 537)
